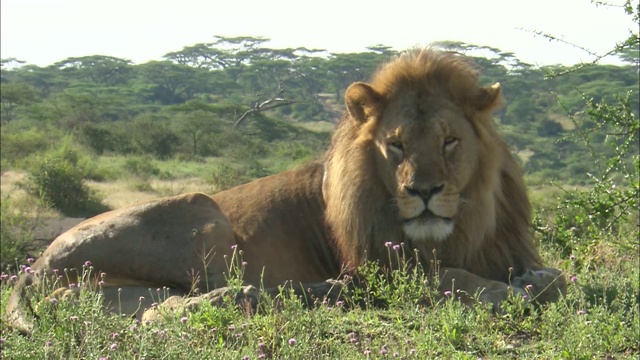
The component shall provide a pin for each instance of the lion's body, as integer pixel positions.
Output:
(415, 160)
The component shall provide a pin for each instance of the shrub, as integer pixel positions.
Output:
(224, 176)
(16, 232)
(59, 184)
(141, 166)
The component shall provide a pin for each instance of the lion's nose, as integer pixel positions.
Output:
(425, 194)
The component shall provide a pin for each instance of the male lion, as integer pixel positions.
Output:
(416, 159)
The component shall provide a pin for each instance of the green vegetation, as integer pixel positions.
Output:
(234, 110)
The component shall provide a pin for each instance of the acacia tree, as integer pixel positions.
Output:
(99, 69)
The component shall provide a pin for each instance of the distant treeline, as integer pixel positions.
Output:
(187, 103)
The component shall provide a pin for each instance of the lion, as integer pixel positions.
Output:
(415, 160)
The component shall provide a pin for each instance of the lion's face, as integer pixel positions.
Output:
(426, 156)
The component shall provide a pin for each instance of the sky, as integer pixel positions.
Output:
(42, 32)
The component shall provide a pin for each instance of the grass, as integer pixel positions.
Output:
(599, 318)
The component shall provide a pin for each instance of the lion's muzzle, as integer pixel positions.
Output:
(427, 213)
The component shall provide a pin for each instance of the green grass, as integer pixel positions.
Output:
(599, 318)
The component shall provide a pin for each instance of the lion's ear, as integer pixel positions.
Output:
(488, 98)
(362, 101)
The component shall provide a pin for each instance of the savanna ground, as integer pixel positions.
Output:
(599, 318)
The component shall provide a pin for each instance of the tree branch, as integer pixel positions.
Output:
(269, 104)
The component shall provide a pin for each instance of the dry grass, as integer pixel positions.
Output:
(120, 193)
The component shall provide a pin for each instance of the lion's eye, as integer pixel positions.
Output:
(396, 145)
(450, 142)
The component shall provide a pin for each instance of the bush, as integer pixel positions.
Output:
(16, 232)
(59, 184)
(224, 177)
(141, 166)
(18, 146)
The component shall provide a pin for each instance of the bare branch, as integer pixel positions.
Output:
(269, 104)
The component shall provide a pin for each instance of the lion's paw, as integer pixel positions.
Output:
(542, 285)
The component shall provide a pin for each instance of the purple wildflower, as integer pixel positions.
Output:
(30, 260)
(73, 318)
(572, 257)
(412, 351)
(292, 341)
(234, 246)
(573, 279)
(388, 244)
(447, 293)
(13, 278)
(113, 347)
(53, 301)
(184, 319)
(87, 263)
(581, 312)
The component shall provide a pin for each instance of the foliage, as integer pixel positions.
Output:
(16, 233)
(59, 183)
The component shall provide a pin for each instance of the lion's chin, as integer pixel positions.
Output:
(428, 228)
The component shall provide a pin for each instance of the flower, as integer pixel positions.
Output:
(87, 263)
(113, 347)
(396, 247)
(13, 278)
(388, 244)
(573, 279)
(246, 357)
(383, 351)
(353, 340)
(367, 352)
(48, 343)
(73, 318)
(581, 312)
(231, 328)
(447, 293)
(412, 351)
(528, 287)
(572, 257)
(234, 246)
(292, 341)
(30, 260)
(101, 283)
(184, 319)
(395, 354)
(53, 301)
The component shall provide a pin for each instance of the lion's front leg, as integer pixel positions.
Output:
(542, 286)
